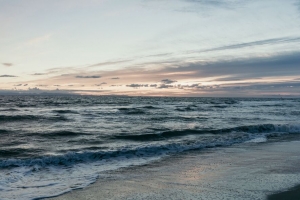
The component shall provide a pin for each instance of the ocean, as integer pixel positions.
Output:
(54, 144)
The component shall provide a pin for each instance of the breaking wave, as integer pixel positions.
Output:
(264, 128)
(224, 137)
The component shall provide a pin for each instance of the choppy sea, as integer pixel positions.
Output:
(54, 144)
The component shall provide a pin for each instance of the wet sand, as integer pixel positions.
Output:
(246, 171)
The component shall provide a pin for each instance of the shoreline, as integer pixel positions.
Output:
(243, 171)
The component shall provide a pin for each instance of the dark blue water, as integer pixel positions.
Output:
(53, 144)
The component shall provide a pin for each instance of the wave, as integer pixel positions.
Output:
(131, 111)
(61, 133)
(4, 118)
(264, 128)
(18, 152)
(26, 105)
(188, 108)
(65, 111)
(219, 106)
(295, 113)
(72, 158)
(223, 101)
(10, 110)
(155, 149)
(4, 131)
(150, 107)
(10, 152)
(12, 118)
(177, 118)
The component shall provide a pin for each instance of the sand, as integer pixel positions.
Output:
(245, 171)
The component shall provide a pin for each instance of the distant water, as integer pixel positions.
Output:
(53, 144)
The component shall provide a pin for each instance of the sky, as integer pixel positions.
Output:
(151, 47)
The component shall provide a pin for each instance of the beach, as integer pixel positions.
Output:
(150, 99)
(242, 171)
(147, 147)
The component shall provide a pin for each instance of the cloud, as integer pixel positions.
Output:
(7, 64)
(167, 81)
(257, 67)
(88, 76)
(251, 44)
(103, 83)
(196, 85)
(135, 85)
(209, 2)
(115, 78)
(38, 74)
(297, 3)
(159, 55)
(109, 63)
(251, 89)
(38, 40)
(162, 86)
(200, 5)
(228, 78)
(18, 85)
(233, 75)
(7, 76)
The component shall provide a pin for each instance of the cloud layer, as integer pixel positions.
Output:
(7, 76)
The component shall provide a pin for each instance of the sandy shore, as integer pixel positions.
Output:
(246, 171)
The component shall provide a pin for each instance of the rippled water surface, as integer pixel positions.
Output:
(53, 144)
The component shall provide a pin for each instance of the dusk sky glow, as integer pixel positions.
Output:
(151, 47)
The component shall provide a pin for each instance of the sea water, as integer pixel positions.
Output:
(54, 144)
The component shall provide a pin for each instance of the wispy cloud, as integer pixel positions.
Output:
(7, 76)
(167, 81)
(219, 75)
(198, 6)
(39, 39)
(38, 74)
(297, 3)
(109, 63)
(134, 85)
(272, 41)
(210, 2)
(162, 86)
(88, 76)
(103, 83)
(160, 55)
(7, 64)
(272, 66)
